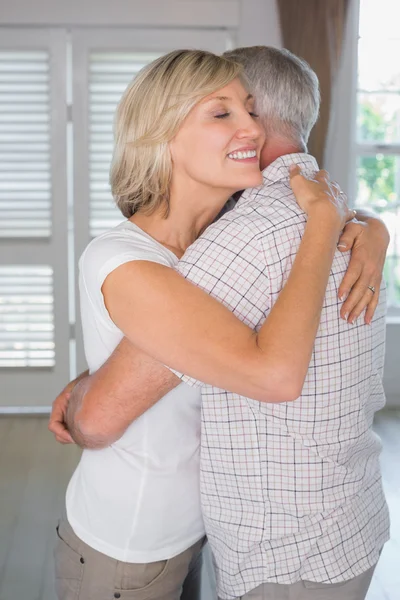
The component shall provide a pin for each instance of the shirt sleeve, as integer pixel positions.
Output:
(227, 263)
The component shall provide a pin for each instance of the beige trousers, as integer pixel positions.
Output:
(83, 573)
(353, 589)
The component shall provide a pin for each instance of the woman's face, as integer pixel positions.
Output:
(220, 141)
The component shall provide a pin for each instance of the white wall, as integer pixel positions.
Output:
(255, 21)
(259, 23)
(251, 22)
(122, 12)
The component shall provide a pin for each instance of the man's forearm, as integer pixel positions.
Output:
(103, 405)
(72, 417)
(379, 233)
(79, 378)
(98, 426)
(363, 214)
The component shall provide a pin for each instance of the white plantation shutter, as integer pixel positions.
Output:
(34, 328)
(109, 75)
(104, 62)
(26, 316)
(25, 195)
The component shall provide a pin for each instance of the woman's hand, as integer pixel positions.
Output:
(320, 197)
(368, 241)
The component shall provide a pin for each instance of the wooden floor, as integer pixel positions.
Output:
(34, 472)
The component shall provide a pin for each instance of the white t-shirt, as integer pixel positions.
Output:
(137, 500)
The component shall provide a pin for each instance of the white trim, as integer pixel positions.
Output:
(377, 149)
(59, 244)
(393, 319)
(340, 155)
(126, 13)
(25, 410)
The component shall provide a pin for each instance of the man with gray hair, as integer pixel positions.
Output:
(287, 95)
(291, 492)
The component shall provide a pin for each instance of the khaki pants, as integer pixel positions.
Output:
(83, 573)
(353, 589)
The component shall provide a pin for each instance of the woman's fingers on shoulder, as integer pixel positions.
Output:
(323, 176)
(294, 170)
(298, 182)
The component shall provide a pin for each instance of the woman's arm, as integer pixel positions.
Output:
(179, 325)
(368, 238)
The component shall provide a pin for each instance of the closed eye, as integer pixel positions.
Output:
(224, 115)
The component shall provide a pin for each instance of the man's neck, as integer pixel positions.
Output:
(275, 147)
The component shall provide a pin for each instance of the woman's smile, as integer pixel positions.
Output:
(244, 154)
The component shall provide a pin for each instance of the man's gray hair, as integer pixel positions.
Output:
(285, 88)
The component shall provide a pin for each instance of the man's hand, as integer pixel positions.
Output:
(57, 421)
(368, 241)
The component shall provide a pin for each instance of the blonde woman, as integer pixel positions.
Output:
(187, 138)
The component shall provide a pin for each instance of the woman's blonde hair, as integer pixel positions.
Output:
(149, 115)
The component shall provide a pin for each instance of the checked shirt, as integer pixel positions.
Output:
(290, 491)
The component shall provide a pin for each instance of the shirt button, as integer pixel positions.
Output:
(117, 595)
(82, 560)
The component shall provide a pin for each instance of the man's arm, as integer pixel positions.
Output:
(103, 405)
(368, 238)
(57, 423)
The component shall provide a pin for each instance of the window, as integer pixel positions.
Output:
(109, 75)
(378, 125)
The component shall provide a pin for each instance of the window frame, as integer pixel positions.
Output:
(37, 386)
(343, 149)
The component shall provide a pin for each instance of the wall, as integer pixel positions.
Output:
(255, 21)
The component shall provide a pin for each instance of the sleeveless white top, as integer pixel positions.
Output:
(137, 500)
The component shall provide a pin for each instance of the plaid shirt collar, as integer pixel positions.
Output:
(279, 171)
